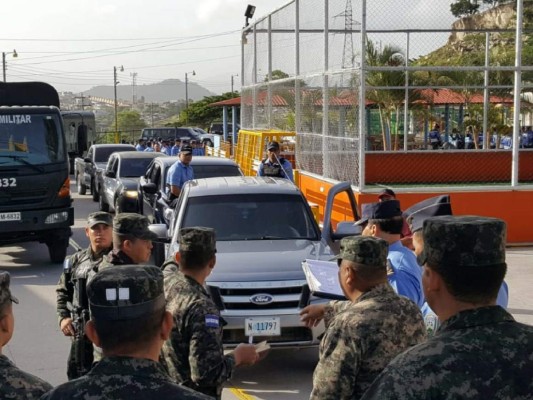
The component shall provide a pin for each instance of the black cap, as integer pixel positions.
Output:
(386, 194)
(273, 146)
(126, 292)
(432, 207)
(99, 217)
(186, 149)
(380, 210)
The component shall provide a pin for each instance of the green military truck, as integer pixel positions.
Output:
(35, 202)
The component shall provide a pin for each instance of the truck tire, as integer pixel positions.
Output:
(102, 205)
(94, 191)
(82, 189)
(57, 250)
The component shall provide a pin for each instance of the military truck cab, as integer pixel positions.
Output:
(35, 202)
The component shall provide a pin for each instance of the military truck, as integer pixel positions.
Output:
(35, 202)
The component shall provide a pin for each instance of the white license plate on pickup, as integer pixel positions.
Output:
(267, 326)
(10, 216)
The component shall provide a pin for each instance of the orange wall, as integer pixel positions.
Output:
(515, 207)
(445, 166)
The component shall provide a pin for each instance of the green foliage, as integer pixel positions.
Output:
(463, 8)
(200, 113)
(130, 125)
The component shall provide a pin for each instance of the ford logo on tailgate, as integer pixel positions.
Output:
(261, 299)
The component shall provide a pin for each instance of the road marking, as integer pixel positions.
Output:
(239, 393)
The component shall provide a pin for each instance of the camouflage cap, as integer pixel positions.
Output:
(432, 207)
(367, 250)
(99, 217)
(5, 292)
(197, 239)
(380, 210)
(463, 241)
(135, 225)
(126, 292)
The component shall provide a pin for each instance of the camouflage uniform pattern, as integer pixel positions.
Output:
(476, 354)
(124, 378)
(480, 353)
(116, 257)
(19, 385)
(194, 355)
(15, 383)
(134, 225)
(362, 338)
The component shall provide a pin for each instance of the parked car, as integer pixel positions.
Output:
(86, 169)
(183, 133)
(264, 230)
(118, 183)
(152, 185)
(217, 128)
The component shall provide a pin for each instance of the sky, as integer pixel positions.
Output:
(75, 44)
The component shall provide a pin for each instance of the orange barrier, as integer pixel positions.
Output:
(512, 206)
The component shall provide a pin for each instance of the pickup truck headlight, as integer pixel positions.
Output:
(132, 194)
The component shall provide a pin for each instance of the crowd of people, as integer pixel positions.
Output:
(424, 315)
(169, 147)
(467, 140)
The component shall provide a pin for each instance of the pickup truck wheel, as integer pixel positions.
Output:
(57, 250)
(94, 192)
(102, 204)
(82, 189)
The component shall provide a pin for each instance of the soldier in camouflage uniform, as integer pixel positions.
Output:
(479, 351)
(82, 265)
(129, 322)
(194, 355)
(375, 327)
(14, 383)
(132, 240)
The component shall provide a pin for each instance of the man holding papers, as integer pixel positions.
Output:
(369, 330)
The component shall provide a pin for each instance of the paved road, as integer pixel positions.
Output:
(39, 347)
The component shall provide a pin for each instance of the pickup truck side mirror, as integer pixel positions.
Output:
(149, 188)
(346, 228)
(110, 174)
(88, 160)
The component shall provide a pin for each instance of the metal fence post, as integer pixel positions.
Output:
(517, 90)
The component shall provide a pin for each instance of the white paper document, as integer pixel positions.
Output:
(323, 279)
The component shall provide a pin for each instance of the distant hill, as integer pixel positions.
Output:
(167, 90)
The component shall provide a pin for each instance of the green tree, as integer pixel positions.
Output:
(463, 8)
(130, 125)
(201, 113)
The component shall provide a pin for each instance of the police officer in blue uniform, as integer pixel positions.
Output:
(274, 165)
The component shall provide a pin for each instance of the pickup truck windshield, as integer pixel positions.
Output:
(134, 168)
(252, 217)
(32, 139)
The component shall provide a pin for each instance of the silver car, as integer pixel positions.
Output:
(265, 229)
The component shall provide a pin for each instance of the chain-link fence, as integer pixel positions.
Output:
(438, 90)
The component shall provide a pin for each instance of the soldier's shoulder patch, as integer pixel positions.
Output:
(212, 321)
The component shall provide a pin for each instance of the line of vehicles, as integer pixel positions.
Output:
(265, 227)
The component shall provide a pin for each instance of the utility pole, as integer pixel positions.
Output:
(152, 114)
(133, 83)
(187, 97)
(15, 55)
(232, 81)
(82, 97)
(115, 83)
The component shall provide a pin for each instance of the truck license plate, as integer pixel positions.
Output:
(268, 326)
(10, 216)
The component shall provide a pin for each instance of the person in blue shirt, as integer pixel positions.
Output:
(180, 172)
(165, 148)
(274, 165)
(175, 150)
(140, 145)
(434, 137)
(384, 220)
(197, 148)
(415, 216)
(149, 147)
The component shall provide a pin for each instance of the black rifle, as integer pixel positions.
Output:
(82, 347)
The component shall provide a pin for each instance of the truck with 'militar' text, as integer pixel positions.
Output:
(35, 201)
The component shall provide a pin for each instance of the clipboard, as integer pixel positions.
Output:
(323, 279)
